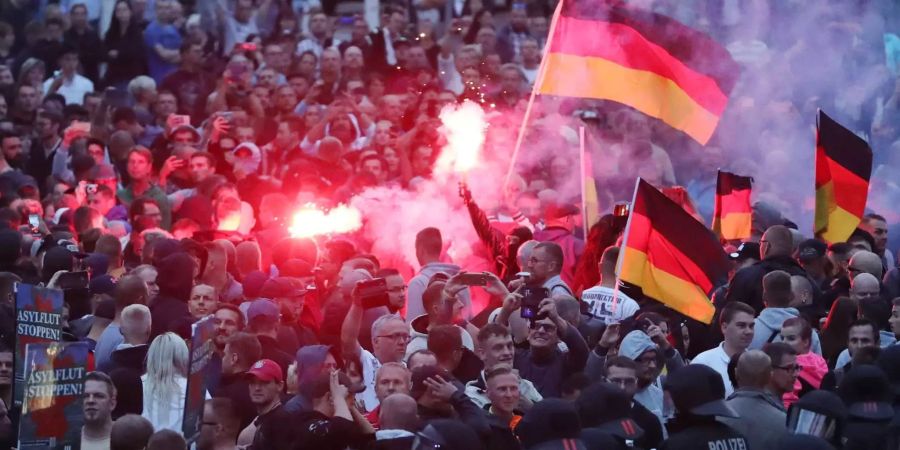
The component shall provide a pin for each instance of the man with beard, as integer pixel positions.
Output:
(228, 320)
(241, 351)
(11, 177)
(876, 225)
(99, 402)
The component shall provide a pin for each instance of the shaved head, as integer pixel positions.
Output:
(866, 262)
(803, 291)
(777, 289)
(776, 241)
(864, 286)
(399, 412)
(754, 368)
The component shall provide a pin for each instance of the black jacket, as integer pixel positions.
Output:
(501, 437)
(170, 309)
(464, 410)
(274, 430)
(548, 375)
(746, 286)
(132, 358)
(653, 432)
(235, 387)
(272, 350)
(705, 434)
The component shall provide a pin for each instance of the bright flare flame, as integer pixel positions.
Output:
(311, 221)
(464, 127)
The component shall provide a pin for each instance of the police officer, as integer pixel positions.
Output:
(819, 413)
(697, 396)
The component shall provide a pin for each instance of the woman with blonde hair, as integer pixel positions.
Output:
(165, 382)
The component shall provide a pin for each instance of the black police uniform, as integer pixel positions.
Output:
(706, 434)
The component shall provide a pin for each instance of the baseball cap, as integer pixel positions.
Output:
(102, 284)
(262, 307)
(811, 249)
(282, 287)
(745, 251)
(698, 390)
(321, 385)
(253, 283)
(266, 370)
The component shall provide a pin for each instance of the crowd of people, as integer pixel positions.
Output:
(162, 147)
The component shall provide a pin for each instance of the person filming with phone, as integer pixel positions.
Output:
(543, 363)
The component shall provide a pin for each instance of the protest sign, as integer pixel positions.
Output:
(38, 320)
(201, 350)
(54, 382)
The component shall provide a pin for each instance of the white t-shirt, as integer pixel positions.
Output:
(718, 360)
(370, 365)
(72, 90)
(608, 305)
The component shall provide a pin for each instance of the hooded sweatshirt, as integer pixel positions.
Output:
(813, 370)
(170, 309)
(768, 328)
(632, 347)
(417, 285)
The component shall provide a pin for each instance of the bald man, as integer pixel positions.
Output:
(864, 286)
(777, 295)
(762, 414)
(398, 420)
(865, 261)
(775, 250)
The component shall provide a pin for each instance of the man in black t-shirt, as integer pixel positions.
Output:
(334, 423)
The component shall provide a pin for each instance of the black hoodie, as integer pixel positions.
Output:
(175, 279)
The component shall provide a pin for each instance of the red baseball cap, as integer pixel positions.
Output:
(266, 370)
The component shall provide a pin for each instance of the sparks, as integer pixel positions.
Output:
(310, 220)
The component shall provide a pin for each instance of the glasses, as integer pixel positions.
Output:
(790, 368)
(549, 328)
(402, 337)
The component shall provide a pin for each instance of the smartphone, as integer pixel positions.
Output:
(473, 279)
(532, 296)
(372, 293)
(35, 223)
(73, 280)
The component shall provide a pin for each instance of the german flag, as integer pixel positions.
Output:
(607, 50)
(731, 216)
(671, 256)
(843, 168)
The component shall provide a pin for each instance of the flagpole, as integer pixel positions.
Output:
(637, 184)
(581, 149)
(537, 82)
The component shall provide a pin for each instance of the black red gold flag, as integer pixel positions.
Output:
(609, 50)
(731, 216)
(671, 256)
(843, 169)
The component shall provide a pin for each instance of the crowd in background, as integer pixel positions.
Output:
(163, 147)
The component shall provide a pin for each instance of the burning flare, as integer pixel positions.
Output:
(310, 220)
(464, 128)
